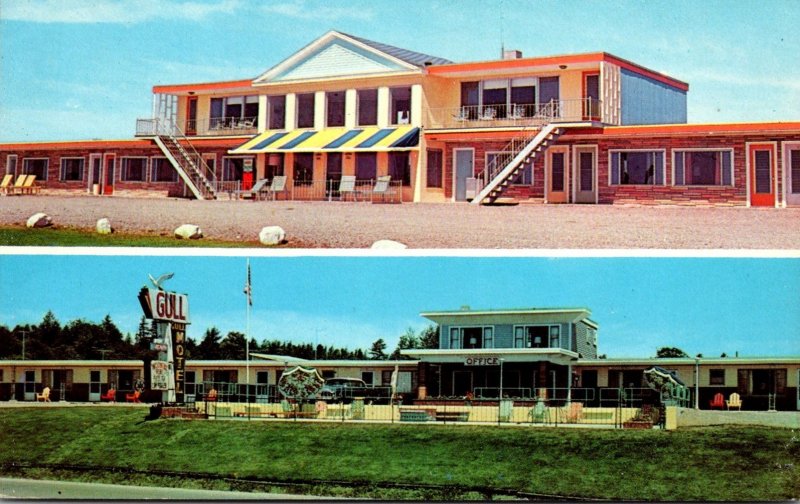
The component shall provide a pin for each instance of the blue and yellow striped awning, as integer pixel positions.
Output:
(367, 139)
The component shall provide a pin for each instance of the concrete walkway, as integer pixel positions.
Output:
(12, 488)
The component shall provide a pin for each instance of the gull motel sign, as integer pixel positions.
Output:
(170, 312)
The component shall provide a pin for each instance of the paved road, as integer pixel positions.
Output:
(12, 488)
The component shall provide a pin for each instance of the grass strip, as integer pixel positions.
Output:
(71, 237)
(730, 463)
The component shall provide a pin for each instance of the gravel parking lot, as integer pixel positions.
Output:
(358, 225)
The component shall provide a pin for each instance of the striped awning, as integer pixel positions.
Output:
(368, 139)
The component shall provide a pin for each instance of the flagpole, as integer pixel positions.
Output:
(248, 301)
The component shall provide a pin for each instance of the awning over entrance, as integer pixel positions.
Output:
(368, 139)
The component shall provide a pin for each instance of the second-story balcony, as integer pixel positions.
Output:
(515, 115)
(222, 126)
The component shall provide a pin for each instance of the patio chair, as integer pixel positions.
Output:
(28, 186)
(489, 114)
(278, 185)
(44, 396)
(250, 193)
(538, 413)
(461, 116)
(574, 412)
(717, 402)
(516, 112)
(212, 395)
(383, 189)
(17, 187)
(110, 396)
(347, 186)
(133, 398)
(735, 401)
(6, 183)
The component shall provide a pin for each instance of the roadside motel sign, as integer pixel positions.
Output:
(164, 306)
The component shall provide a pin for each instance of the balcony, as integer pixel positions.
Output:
(515, 115)
(215, 126)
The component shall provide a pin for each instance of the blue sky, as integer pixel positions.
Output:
(77, 69)
(702, 305)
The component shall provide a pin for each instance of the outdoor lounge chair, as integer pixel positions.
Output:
(717, 402)
(735, 401)
(6, 183)
(250, 193)
(489, 114)
(44, 396)
(17, 187)
(347, 186)
(383, 189)
(278, 185)
(538, 413)
(110, 396)
(133, 398)
(29, 187)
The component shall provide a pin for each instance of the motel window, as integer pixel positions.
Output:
(637, 167)
(472, 337)
(327, 374)
(434, 167)
(525, 177)
(72, 169)
(335, 108)
(704, 168)
(470, 99)
(276, 112)
(134, 169)
(305, 110)
(401, 105)
(232, 168)
(11, 164)
(303, 168)
(539, 336)
(333, 169)
(38, 167)
(495, 95)
(233, 111)
(162, 170)
(716, 377)
(400, 167)
(761, 381)
(274, 165)
(367, 107)
(366, 166)
(368, 377)
(523, 96)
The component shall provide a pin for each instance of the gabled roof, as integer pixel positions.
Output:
(412, 57)
(337, 54)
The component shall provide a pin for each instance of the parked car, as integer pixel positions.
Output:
(345, 389)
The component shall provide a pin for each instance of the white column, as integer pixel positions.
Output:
(262, 113)
(416, 105)
(350, 108)
(291, 111)
(319, 110)
(384, 107)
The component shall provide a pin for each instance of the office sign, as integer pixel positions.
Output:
(482, 361)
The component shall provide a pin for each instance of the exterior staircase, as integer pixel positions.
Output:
(187, 162)
(507, 165)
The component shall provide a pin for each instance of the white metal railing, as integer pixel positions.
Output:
(222, 126)
(326, 190)
(518, 114)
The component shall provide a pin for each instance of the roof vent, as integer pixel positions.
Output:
(512, 54)
(465, 307)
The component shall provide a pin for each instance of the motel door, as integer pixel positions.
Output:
(109, 162)
(792, 170)
(761, 173)
(463, 170)
(585, 170)
(95, 173)
(94, 386)
(191, 116)
(556, 175)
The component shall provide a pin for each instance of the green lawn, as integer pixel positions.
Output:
(67, 237)
(743, 464)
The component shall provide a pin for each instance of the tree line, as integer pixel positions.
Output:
(83, 340)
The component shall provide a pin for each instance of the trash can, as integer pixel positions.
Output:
(96, 189)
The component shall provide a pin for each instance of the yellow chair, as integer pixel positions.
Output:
(6, 183)
(44, 396)
(734, 402)
(29, 187)
(17, 187)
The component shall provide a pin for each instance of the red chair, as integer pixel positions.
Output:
(110, 396)
(717, 402)
(134, 398)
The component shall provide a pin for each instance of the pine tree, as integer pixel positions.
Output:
(378, 350)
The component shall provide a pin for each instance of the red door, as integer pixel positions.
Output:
(761, 174)
(109, 161)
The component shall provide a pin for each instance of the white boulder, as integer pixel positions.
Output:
(272, 235)
(39, 220)
(389, 245)
(188, 232)
(103, 226)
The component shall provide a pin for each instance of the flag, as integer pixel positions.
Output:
(248, 289)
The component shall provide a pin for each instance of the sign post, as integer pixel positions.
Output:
(169, 312)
